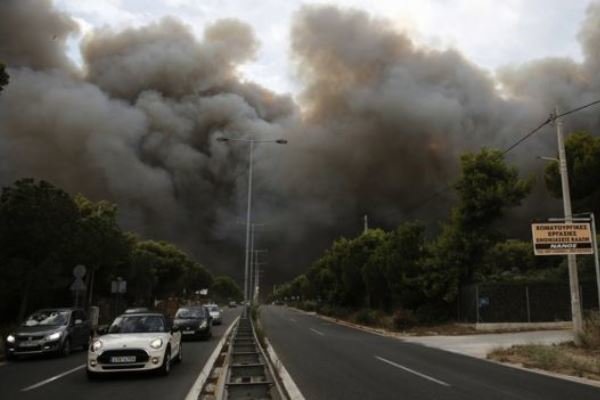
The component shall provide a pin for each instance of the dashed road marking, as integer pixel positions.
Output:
(317, 332)
(412, 371)
(52, 379)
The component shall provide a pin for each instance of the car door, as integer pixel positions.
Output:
(174, 337)
(80, 330)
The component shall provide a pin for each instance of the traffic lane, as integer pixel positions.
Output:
(324, 370)
(119, 386)
(466, 377)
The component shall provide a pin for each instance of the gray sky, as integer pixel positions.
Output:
(491, 33)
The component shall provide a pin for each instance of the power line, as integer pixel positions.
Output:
(549, 120)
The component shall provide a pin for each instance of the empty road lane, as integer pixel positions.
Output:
(329, 362)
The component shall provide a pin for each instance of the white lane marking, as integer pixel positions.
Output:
(317, 332)
(412, 371)
(292, 319)
(194, 392)
(44, 382)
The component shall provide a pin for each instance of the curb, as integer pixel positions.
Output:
(286, 379)
(576, 379)
(196, 388)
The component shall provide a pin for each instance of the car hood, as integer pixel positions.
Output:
(37, 330)
(215, 313)
(131, 340)
(188, 322)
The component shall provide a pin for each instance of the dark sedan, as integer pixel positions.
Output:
(56, 330)
(194, 322)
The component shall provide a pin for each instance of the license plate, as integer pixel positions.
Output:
(188, 332)
(122, 359)
(29, 344)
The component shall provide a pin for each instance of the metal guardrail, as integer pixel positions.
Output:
(249, 375)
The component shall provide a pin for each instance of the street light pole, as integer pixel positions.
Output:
(571, 259)
(248, 227)
(249, 207)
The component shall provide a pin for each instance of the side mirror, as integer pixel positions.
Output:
(175, 328)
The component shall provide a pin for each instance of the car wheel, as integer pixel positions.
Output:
(165, 368)
(179, 358)
(65, 350)
(10, 356)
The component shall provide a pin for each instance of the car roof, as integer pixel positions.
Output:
(57, 309)
(143, 314)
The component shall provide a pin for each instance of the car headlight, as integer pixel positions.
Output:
(156, 343)
(203, 324)
(97, 345)
(53, 336)
(10, 339)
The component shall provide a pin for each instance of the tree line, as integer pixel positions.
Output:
(45, 233)
(408, 270)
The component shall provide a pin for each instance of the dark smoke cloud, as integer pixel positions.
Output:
(378, 127)
(34, 39)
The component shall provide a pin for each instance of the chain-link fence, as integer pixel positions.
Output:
(512, 302)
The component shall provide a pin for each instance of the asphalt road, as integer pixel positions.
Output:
(72, 384)
(329, 362)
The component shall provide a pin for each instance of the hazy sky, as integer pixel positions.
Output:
(491, 33)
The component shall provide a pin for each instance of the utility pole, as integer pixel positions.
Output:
(366, 223)
(571, 258)
(249, 209)
(596, 257)
(257, 265)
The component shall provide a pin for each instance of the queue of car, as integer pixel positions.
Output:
(137, 340)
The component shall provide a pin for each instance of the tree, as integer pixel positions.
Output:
(583, 163)
(4, 78)
(38, 220)
(400, 258)
(99, 243)
(486, 188)
(224, 289)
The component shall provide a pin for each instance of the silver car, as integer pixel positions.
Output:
(215, 313)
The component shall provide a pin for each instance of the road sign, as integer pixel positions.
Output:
(78, 285)
(79, 271)
(553, 239)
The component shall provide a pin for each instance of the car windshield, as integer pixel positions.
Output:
(138, 324)
(189, 313)
(48, 318)
(213, 308)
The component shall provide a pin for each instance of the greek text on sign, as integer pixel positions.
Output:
(553, 239)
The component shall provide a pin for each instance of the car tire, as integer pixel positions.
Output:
(65, 349)
(165, 368)
(10, 356)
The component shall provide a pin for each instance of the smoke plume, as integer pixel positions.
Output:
(377, 129)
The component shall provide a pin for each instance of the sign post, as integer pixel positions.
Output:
(557, 237)
(78, 286)
(562, 238)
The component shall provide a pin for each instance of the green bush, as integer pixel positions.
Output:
(432, 313)
(403, 319)
(309, 305)
(366, 316)
(590, 338)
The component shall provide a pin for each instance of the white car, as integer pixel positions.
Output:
(135, 342)
(215, 313)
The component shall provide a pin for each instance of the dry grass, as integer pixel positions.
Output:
(582, 361)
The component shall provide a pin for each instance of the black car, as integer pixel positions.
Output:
(51, 330)
(194, 322)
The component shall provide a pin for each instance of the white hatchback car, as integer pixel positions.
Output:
(135, 342)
